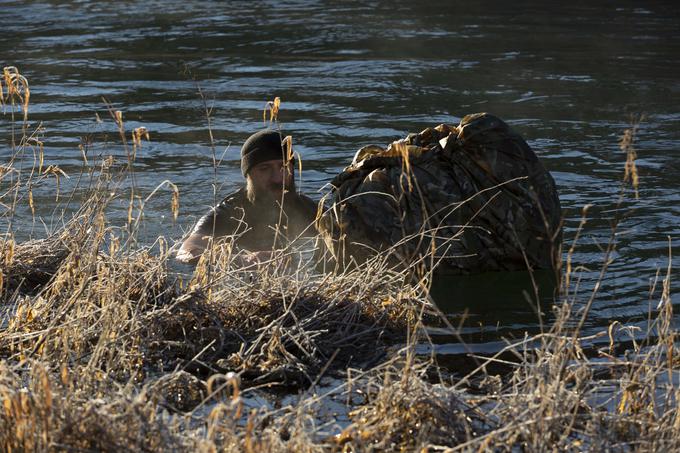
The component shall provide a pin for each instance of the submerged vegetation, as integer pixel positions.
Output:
(103, 348)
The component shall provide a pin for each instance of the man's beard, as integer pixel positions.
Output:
(269, 196)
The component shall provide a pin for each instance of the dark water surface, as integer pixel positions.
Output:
(352, 73)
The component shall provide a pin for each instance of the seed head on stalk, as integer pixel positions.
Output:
(626, 144)
(174, 204)
(273, 108)
(18, 91)
(137, 134)
(57, 172)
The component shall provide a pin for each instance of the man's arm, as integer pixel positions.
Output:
(194, 245)
(217, 222)
(192, 248)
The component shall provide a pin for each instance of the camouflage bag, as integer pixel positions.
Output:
(467, 198)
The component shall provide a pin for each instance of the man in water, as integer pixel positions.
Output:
(263, 215)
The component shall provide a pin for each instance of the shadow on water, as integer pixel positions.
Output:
(488, 310)
(488, 307)
(500, 296)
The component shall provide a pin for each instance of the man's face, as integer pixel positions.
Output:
(268, 179)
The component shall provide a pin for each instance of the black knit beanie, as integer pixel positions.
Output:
(260, 147)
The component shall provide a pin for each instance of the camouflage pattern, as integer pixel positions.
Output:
(474, 197)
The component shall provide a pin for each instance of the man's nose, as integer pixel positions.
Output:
(277, 176)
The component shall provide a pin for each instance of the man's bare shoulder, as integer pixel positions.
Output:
(306, 202)
(223, 216)
(234, 200)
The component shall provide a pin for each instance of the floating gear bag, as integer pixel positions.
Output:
(467, 198)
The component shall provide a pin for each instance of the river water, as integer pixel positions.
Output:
(568, 78)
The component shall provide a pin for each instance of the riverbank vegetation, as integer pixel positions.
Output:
(103, 347)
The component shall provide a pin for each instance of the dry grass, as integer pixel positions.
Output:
(102, 349)
(268, 326)
(405, 412)
(43, 412)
